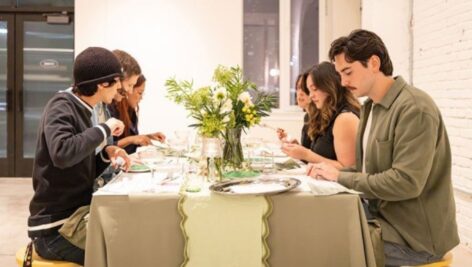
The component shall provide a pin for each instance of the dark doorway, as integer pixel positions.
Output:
(36, 59)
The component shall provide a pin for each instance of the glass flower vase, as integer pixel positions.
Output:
(211, 159)
(233, 151)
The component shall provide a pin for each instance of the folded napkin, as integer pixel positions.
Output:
(287, 165)
(324, 188)
(165, 149)
(297, 171)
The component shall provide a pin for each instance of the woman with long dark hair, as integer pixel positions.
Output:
(127, 111)
(304, 102)
(332, 125)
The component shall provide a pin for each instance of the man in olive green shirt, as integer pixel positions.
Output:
(403, 157)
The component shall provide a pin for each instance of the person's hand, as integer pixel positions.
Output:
(158, 136)
(295, 151)
(281, 134)
(118, 157)
(116, 126)
(323, 171)
(141, 140)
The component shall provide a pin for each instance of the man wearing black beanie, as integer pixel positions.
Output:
(65, 163)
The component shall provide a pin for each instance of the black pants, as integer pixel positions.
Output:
(56, 247)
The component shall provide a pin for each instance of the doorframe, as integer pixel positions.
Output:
(15, 165)
(7, 164)
(23, 167)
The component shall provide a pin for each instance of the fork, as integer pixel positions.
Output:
(170, 177)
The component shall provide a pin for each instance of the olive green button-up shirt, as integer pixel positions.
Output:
(408, 170)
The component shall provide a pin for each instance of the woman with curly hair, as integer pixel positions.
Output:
(332, 126)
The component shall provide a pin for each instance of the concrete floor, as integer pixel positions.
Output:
(15, 194)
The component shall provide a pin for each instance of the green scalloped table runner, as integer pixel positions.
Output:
(219, 229)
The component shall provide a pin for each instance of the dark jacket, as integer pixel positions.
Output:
(65, 163)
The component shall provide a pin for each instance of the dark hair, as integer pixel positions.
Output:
(130, 65)
(90, 89)
(326, 79)
(125, 112)
(360, 45)
(302, 77)
(140, 81)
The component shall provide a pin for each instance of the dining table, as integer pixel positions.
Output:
(143, 219)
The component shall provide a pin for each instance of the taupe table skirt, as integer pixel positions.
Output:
(305, 230)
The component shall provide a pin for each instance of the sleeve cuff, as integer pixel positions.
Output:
(104, 156)
(105, 130)
(346, 179)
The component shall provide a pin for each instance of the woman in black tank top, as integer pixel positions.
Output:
(332, 126)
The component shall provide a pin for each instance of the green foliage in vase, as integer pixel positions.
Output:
(231, 102)
(249, 103)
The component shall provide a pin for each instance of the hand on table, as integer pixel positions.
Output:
(141, 140)
(323, 171)
(118, 157)
(158, 136)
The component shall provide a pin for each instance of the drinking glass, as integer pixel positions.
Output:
(150, 157)
(268, 159)
(194, 181)
(183, 138)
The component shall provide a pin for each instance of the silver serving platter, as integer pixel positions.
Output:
(259, 186)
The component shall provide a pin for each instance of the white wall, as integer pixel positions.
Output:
(337, 18)
(435, 48)
(391, 21)
(442, 66)
(185, 38)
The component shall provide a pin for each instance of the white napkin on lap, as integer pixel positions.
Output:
(256, 188)
(325, 188)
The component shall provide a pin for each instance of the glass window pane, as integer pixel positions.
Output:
(6, 3)
(48, 62)
(45, 3)
(3, 89)
(261, 43)
(304, 39)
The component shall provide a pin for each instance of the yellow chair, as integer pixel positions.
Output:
(445, 262)
(40, 262)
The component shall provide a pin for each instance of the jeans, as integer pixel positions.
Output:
(56, 247)
(399, 255)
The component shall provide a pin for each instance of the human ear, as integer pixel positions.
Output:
(374, 62)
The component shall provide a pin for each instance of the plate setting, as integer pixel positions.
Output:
(260, 186)
(136, 168)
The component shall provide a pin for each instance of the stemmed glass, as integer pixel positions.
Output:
(150, 157)
(180, 142)
(182, 138)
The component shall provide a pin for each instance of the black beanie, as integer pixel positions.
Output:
(96, 65)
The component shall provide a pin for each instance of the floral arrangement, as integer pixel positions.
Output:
(231, 102)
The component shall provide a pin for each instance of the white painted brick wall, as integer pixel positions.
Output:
(442, 66)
